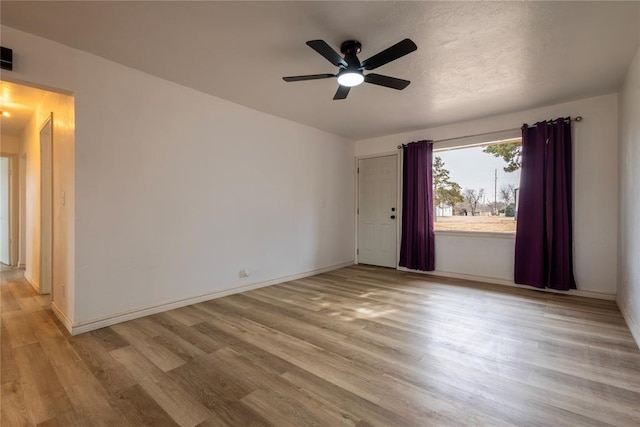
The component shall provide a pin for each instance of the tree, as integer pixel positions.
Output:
(446, 192)
(451, 195)
(473, 197)
(510, 210)
(507, 193)
(510, 153)
(440, 174)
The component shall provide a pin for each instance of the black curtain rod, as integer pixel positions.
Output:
(564, 119)
(575, 119)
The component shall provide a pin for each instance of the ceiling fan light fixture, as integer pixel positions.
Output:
(350, 78)
(351, 69)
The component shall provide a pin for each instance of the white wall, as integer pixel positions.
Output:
(486, 257)
(595, 194)
(629, 249)
(9, 144)
(177, 191)
(10, 147)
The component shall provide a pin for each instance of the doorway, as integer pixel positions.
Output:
(378, 211)
(46, 206)
(38, 131)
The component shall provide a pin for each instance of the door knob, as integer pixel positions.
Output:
(393, 217)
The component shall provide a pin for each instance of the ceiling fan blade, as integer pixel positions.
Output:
(342, 92)
(307, 77)
(390, 54)
(325, 50)
(386, 81)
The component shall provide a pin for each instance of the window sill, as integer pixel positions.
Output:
(492, 234)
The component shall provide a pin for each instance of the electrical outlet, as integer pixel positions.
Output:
(245, 273)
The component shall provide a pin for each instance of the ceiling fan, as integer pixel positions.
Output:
(351, 72)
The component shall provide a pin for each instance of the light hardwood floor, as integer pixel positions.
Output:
(359, 346)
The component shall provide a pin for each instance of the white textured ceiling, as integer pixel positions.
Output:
(474, 59)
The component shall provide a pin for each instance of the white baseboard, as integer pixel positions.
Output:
(90, 325)
(631, 324)
(494, 281)
(34, 285)
(62, 317)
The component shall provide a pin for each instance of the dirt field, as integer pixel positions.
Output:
(476, 223)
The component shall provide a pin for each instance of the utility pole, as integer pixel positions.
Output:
(495, 193)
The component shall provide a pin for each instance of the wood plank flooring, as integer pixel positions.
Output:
(361, 346)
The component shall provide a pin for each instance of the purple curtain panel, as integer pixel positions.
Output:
(544, 239)
(417, 247)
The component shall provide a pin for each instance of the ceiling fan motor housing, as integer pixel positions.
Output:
(350, 49)
(350, 46)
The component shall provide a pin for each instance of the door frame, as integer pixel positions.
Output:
(395, 153)
(22, 201)
(46, 218)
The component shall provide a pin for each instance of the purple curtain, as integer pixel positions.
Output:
(544, 241)
(417, 247)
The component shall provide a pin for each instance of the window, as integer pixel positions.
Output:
(475, 187)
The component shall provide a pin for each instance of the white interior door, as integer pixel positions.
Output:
(4, 210)
(377, 211)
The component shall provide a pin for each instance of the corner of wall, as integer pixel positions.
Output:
(633, 326)
(68, 324)
(35, 285)
(628, 295)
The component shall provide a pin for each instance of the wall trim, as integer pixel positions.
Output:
(373, 156)
(90, 325)
(495, 281)
(631, 324)
(62, 317)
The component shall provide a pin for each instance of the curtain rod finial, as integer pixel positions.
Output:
(578, 118)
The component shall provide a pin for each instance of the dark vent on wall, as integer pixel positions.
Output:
(6, 58)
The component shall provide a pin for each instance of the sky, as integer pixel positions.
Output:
(471, 168)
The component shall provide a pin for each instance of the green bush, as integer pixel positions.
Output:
(510, 210)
